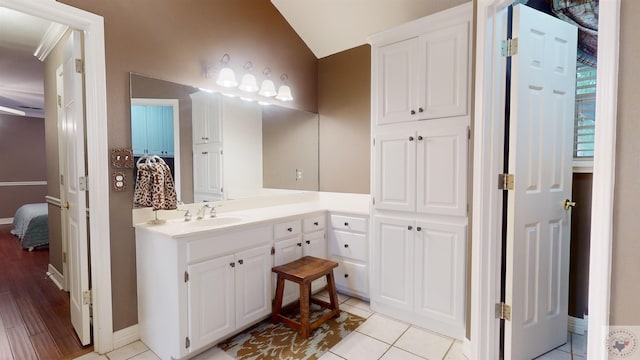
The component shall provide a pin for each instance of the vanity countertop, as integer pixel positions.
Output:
(231, 220)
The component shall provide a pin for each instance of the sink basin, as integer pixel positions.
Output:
(217, 221)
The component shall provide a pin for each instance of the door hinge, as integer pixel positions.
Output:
(61, 179)
(60, 101)
(503, 311)
(187, 342)
(506, 181)
(86, 297)
(273, 250)
(64, 257)
(373, 199)
(79, 66)
(83, 183)
(186, 276)
(221, 151)
(468, 133)
(221, 189)
(374, 141)
(509, 47)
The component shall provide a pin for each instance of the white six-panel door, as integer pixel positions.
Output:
(540, 156)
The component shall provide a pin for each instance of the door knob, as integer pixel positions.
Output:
(568, 204)
(66, 205)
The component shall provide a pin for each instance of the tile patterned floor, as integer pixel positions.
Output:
(379, 337)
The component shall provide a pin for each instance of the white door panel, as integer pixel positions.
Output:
(397, 74)
(76, 197)
(253, 286)
(540, 157)
(395, 177)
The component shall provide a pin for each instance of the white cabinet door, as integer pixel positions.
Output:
(314, 244)
(395, 171)
(443, 72)
(253, 286)
(210, 293)
(393, 262)
(442, 154)
(397, 87)
(205, 114)
(207, 171)
(440, 275)
(287, 251)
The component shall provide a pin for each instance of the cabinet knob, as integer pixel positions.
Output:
(413, 112)
(410, 138)
(346, 224)
(315, 223)
(418, 228)
(240, 261)
(289, 229)
(420, 137)
(205, 152)
(299, 244)
(232, 264)
(308, 242)
(420, 110)
(410, 227)
(346, 245)
(346, 275)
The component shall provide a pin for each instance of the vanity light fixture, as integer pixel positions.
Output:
(248, 82)
(284, 91)
(226, 77)
(268, 88)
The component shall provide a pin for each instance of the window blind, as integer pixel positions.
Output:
(584, 129)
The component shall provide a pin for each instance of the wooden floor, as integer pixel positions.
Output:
(34, 313)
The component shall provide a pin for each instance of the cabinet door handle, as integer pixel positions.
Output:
(419, 137)
(308, 242)
(409, 227)
(315, 223)
(299, 244)
(205, 152)
(413, 112)
(289, 229)
(240, 261)
(420, 110)
(346, 224)
(232, 264)
(418, 228)
(346, 245)
(410, 138)
(346, 275)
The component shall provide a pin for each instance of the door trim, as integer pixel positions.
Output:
(92, 26)
(485, 263)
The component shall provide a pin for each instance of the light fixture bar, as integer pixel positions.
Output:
(12, 111)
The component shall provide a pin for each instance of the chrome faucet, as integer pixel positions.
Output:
(212, 213)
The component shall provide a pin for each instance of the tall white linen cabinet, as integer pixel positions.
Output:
(420, 86)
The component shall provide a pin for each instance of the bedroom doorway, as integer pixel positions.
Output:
(96, 147)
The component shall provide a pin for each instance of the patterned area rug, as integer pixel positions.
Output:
(269, 341)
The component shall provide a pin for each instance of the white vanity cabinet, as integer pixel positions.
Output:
(420, 129)
(196, 290)
(348, 246)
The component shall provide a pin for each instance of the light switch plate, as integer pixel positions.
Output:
(122, 158)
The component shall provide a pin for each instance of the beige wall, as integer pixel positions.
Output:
(344, 104)
(171, 40)
(289, 142)
(625, 288)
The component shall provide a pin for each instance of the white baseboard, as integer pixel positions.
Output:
(577, 325)
(126, 336)
(5, 221)
(466, 348)
(55, 276)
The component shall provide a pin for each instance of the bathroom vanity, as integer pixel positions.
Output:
(201, 281)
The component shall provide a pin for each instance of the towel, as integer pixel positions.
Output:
(154, 185)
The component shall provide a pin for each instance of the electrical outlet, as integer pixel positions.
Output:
(119, 181)
(298, 174)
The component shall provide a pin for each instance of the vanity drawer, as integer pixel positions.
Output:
(286, 229)
(351, 276)
(313, 223)
(347, 244)
(349, 223)
(202, 249)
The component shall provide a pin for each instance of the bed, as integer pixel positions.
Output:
(31, 225)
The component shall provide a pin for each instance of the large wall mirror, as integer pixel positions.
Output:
(222, 148)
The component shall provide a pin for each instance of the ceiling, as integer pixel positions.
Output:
(326, 26)
(332, 26)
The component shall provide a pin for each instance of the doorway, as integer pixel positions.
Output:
(487, 161)
(97, 151)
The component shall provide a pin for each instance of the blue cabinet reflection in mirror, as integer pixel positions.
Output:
(155, 131)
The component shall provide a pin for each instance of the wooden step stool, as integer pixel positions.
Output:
(303, 271)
